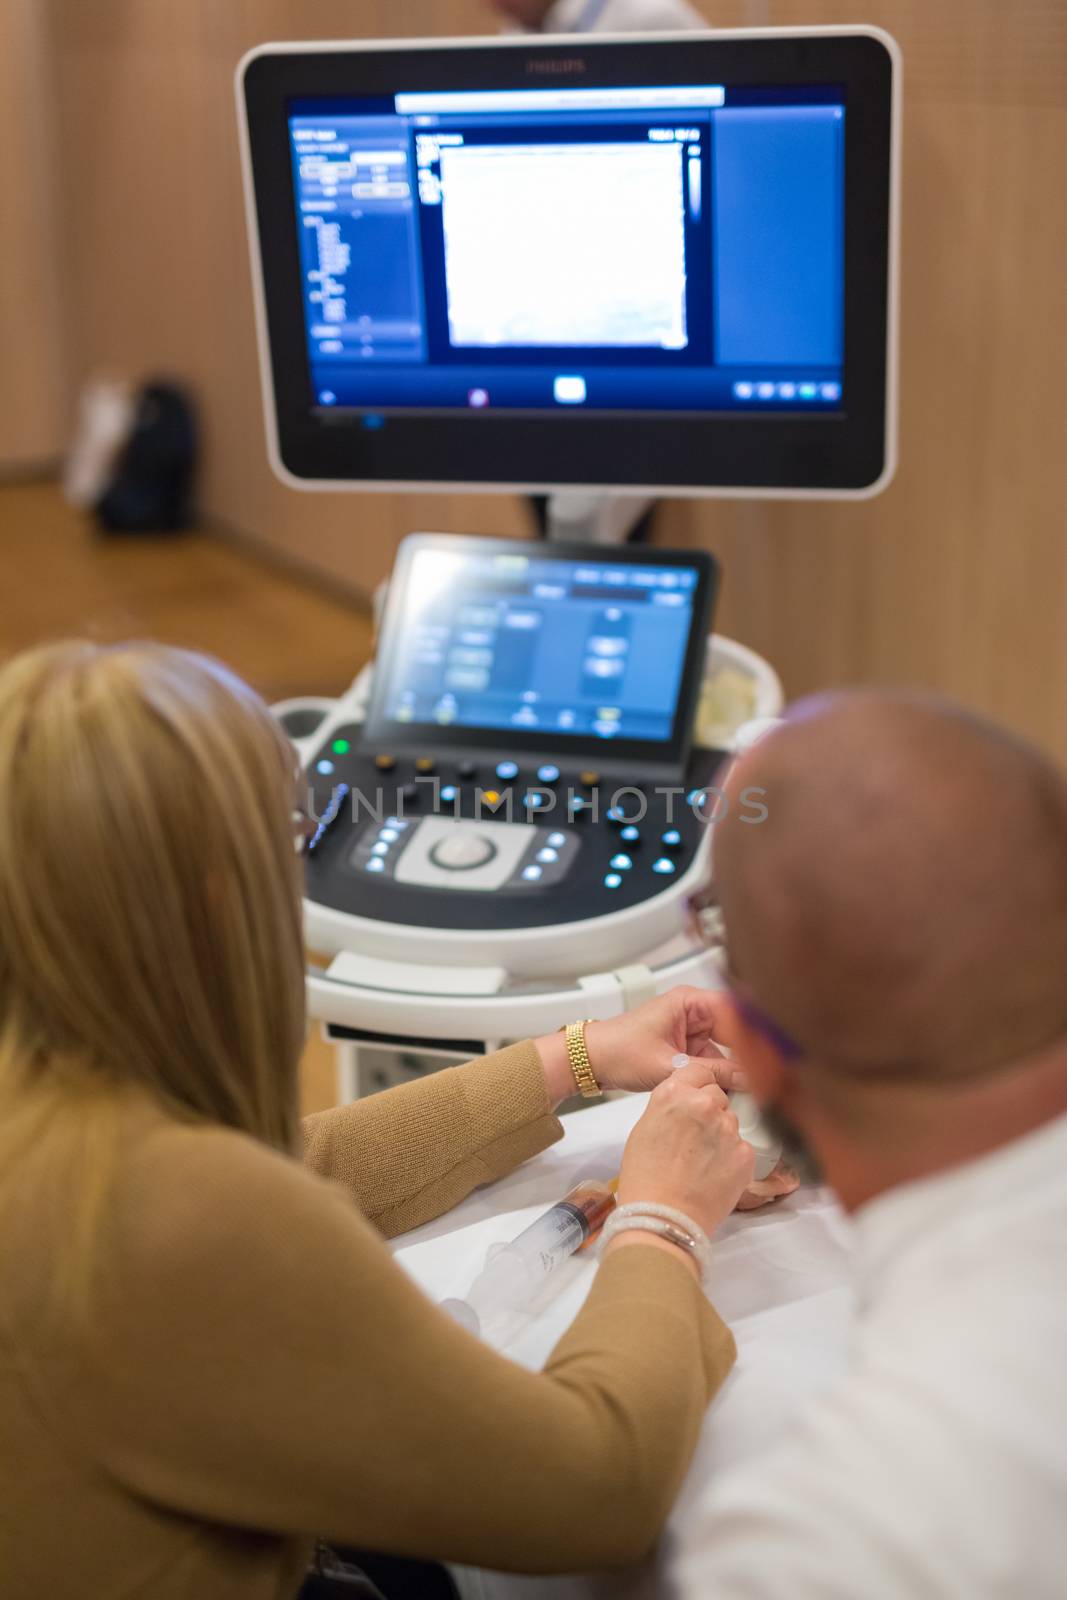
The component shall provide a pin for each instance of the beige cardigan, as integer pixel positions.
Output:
(261, 1371)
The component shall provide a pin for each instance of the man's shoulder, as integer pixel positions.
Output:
(891, 1484)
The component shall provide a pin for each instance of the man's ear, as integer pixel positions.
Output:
(768, 1075)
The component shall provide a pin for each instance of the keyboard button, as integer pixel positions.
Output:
(672, 839)
(506, 770)
(664, 866)
(548, 774)
(630, 834)
(385, 763)
(424, 764)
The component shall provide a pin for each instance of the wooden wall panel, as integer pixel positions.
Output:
(31, 410)
(954, 578)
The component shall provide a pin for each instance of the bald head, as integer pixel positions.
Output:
(903, 907)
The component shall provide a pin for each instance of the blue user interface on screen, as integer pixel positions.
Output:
(663, 248)
(526, 642)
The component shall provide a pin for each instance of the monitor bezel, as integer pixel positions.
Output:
(848, 453)
(383, 733)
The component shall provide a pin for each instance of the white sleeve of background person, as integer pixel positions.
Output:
(623, 16)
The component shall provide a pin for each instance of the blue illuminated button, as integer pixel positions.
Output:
(376, 864)
(380, 849)
(569, 389)
(324, 766)
(531, 873)
(621, 863)
(534, 801)
(630, 834)
(548, 774)
(672, 839)
(807, 391)
(389, 835)
(743, 391)
(557, 840)
(547, 855)
(697, 798)
(663, 865)
(449, 793)
(578, 806)
(613, 881)
(830, 391)
(506, 770)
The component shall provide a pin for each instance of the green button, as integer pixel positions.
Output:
(341, 747)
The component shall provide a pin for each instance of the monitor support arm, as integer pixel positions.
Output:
(589, 517)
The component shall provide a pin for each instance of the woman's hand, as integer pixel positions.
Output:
(686, 1150)
(636, 1050)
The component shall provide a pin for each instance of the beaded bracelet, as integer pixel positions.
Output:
(648, 1217)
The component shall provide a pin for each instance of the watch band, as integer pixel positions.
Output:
(578, 1056)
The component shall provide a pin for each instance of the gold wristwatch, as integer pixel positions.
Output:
(578, 1056)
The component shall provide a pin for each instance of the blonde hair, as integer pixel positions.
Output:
(149, 915)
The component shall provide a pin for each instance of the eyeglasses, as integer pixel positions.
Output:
(753, 1013)
(706, 927)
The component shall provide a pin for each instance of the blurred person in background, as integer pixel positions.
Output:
(208, 1357)
(599, 16)
(897, 939)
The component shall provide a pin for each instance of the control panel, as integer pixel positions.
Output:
(469, 842)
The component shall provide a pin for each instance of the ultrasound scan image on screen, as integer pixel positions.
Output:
(673, 248)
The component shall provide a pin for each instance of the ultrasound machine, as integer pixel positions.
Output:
(609, 267)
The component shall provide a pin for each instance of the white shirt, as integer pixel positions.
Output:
(937, 1467)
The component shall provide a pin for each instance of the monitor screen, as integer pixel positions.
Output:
(674, 248)
(665, 264)
(551, 648)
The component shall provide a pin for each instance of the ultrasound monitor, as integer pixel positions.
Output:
(664, 264)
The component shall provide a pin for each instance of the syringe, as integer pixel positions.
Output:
(513, 1272)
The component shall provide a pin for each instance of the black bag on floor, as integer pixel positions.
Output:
(151, 488)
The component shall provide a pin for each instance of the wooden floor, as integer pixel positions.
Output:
(60, 579)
